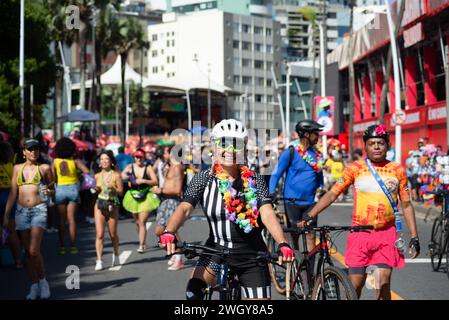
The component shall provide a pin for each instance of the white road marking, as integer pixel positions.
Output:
(343, 204)
(148, 225)
(421, 260)
(123, 257)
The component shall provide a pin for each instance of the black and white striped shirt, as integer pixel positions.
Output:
(204, 189)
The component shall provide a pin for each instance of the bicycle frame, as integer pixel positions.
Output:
(320, 249)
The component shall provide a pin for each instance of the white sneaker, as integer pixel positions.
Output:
(45, 289)
(115, 260)
(141, 249)
(99, 265)
(171, 260)
(34, 292)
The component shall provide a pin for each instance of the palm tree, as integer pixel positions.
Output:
(59, 33)
(126, 34)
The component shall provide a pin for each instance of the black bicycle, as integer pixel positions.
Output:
(227, 284)
(277, 272)
(328, 282)
(439, 240)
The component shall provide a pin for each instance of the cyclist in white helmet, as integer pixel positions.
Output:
(236, 203)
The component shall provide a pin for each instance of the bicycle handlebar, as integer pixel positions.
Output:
(190, 251)
(327, 228)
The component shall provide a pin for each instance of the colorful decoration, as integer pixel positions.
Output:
(243, 213)
(381, 129)
(317, 164)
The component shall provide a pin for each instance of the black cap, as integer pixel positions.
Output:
(376, 131)
(31, 143)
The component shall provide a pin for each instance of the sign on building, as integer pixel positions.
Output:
(324, 113)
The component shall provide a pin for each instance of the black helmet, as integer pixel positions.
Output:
(376, 131)
(308, 126)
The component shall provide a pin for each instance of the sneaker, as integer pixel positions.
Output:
(115, 261)
(141, 249)
(171, 260)
(73, 250)
(45, 289)
(99, 265)
(61, 251)
(177, 265)
(34, 292)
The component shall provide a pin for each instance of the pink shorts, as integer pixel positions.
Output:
(370, 247)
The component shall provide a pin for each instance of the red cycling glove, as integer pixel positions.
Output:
(167, 238)
(286, 250)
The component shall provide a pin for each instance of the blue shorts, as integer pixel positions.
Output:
(4, 194)
(27, 218)
(67, 193)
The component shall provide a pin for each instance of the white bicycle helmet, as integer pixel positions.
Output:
(229, 128)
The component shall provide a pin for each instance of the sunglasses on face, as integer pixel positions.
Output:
(139, 157)
(31, 149)
(230, 145)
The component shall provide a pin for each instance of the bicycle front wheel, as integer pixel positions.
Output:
(436, 244)
(337, 286)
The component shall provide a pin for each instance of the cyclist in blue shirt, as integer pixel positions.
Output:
(304, 166)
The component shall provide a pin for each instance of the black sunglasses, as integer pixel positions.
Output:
(31, 149)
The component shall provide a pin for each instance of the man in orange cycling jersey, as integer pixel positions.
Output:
(372, 207)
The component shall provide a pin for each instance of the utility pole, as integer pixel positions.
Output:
(22, 68)
(287, 102)
(32, 110)
(397, 89)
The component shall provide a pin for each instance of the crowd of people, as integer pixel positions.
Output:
(427, 170)
(44, 183)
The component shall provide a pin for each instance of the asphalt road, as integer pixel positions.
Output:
(145, 276)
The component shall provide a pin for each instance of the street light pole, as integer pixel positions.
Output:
(127, 114)
(22, 68)
(323, 78)
(287, 102)
(398, 128)
(209, 122)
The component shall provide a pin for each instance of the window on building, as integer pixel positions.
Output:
(173, 33)
(246, 80)
(154, 53)
(258, 64)
(268, 32)
(173, 74)
(258, 98)
(269, 48)
(168, 43)
(236, 62)
(269, 82)
(173, 43)
(236, 80)
(269, 115)
(236, 27)
(258, 47)
(162, 51)
(145, 53)
(236, 44)
(145, 69)
(269, 99)
(154, 69)
(246, 45)
(258, 30)
(168, 75)
(168, 34)
(260, 82)
(332, 15)
(269, 64)
(246, 63)
(246, 28)
(168, 59)
(154, 37)
(173, 59)
(162, 68)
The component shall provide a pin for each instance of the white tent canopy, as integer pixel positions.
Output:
(114, 76)
(186, 82)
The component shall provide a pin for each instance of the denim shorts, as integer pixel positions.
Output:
(26, 218)
(67, 193)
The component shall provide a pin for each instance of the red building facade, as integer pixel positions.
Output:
(422, 43)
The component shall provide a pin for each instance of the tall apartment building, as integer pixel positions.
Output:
(233, 50)
(297, 32)
(243, 7)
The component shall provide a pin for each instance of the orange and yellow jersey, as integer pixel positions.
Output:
(371, 205)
